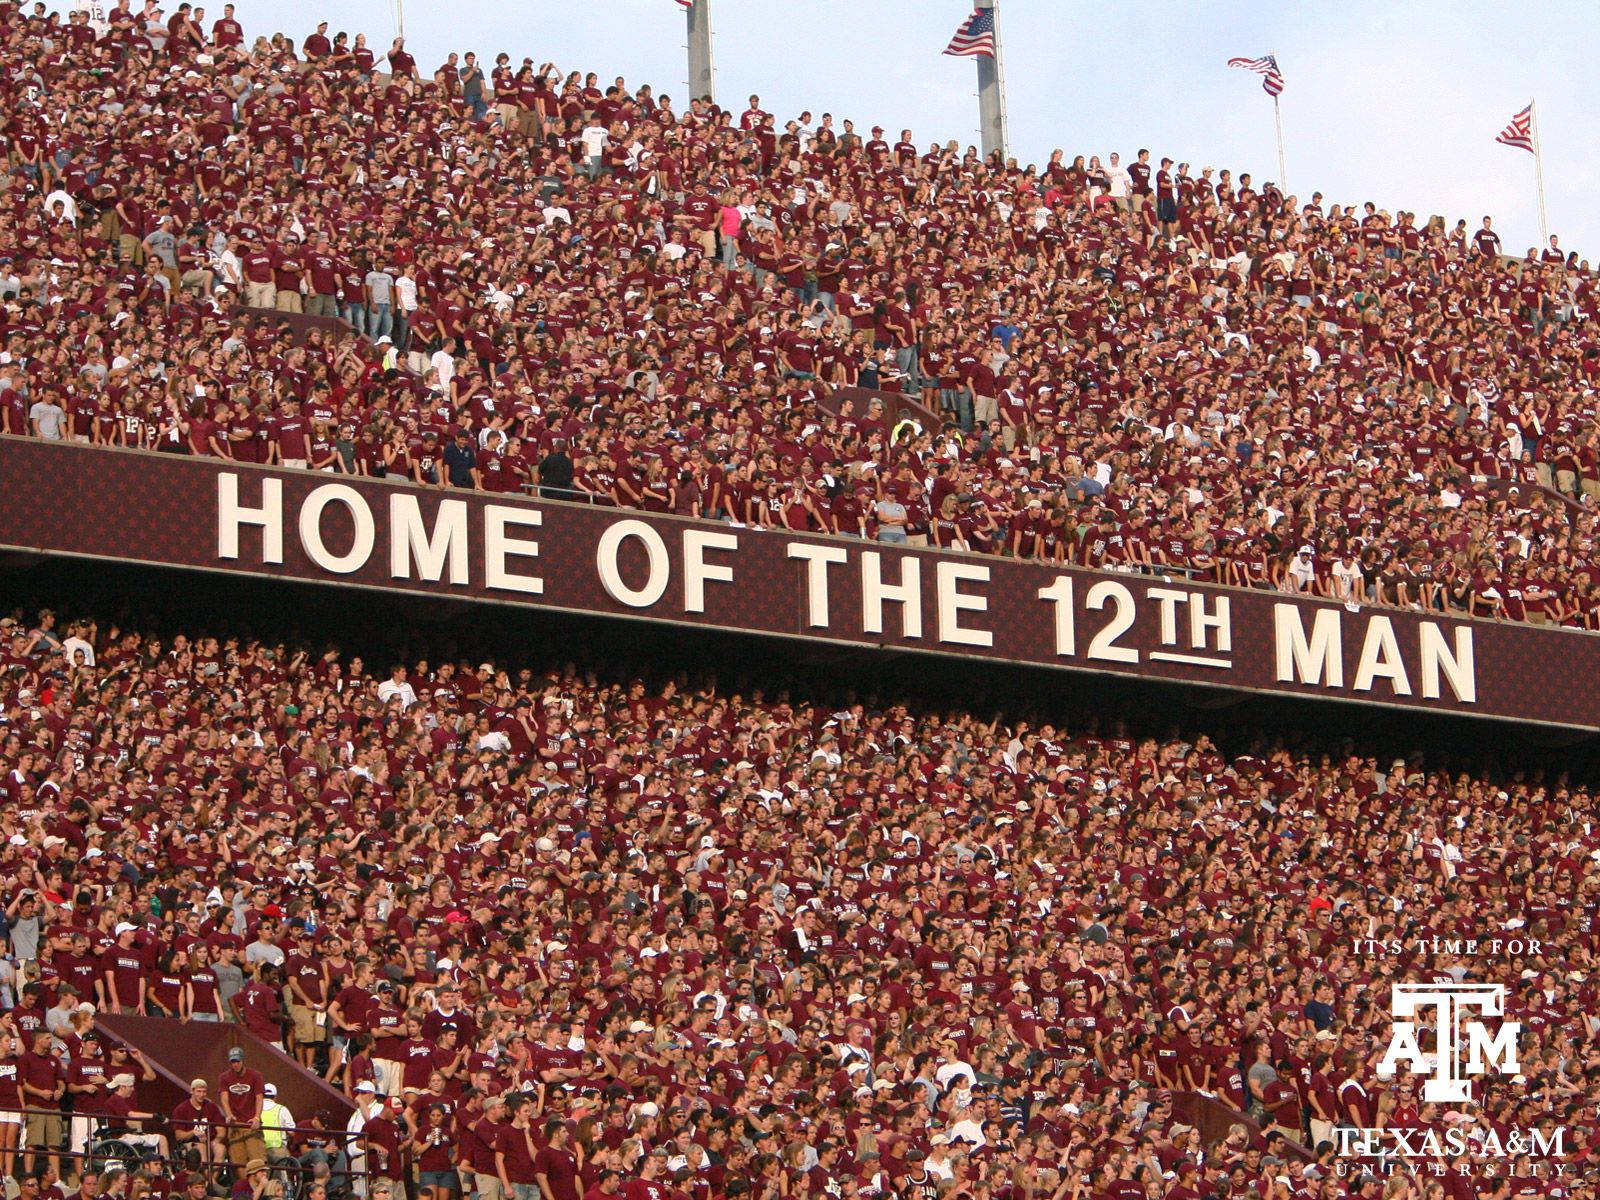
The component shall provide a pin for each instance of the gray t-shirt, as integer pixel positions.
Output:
(25, 932)
(164, 246)
(381, 285)
(230, 979)
(52, 419)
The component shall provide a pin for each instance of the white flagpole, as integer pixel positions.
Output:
(400, 18)
(1277, 118)
(1538, 175)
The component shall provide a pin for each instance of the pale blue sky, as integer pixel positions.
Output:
(1396, 103)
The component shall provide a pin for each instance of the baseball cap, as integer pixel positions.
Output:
(364, 1086)
(125, 927)
(270, 1089)
(236, 1054)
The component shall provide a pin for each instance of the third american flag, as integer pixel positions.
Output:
(1266, 67)
(976, 35)
(1520, 132)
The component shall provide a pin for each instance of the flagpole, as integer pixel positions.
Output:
(400, 18)
(992, 90)
(702, 72)
(1277, 120)
(1538, 174)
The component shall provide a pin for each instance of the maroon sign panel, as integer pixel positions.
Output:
(211, 515)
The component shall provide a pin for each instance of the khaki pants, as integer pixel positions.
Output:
(487, 1186)
(318, 305)
(245, 1144)
(1591, 488)
(287, 301)
(985, 409)
(259, 295)
(1567, 482)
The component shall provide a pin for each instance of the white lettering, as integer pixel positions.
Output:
(498, 545)
(1403, 1045)
(1319, 661)
(1380, 659)
(952, 602)
(1484, 1051)
(1059, 594)
(606, 553)
(1168, 600)
(907, 594)
(411, 541)
(817, 559)
(1456, 666)
(1219, 618)
(1103, 646)
(696, 572)
(231, 515)
(366, 532)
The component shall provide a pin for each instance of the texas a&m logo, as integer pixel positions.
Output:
(1464, 1046)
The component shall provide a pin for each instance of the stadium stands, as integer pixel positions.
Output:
(569, 934)
(592, 290)
(732, 940)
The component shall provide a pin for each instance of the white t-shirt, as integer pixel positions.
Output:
(594, 140)
(74, 646)
(405, 293)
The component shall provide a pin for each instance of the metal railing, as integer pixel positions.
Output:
(99, 1141)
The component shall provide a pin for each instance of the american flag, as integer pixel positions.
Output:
(1520, 132)
(1267, 68)
(976, 35)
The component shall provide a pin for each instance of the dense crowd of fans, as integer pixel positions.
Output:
(564, 936)
(583, 286)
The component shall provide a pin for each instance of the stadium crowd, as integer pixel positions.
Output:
(562, 936)
(586, 288)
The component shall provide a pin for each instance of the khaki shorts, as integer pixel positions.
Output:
(306, 1030)
(245, 1144)
(43, 1129)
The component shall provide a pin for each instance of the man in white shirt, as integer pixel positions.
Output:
(397, 685)
(594, 138)
(1119, 183)
(444, 362)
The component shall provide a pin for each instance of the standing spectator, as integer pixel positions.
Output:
(241, 1090)
(276, 1122)
(461, 462)
(43, 1085)
(123, 977)
(515, 1153)
(258, 1007)
(11, 1102)
(892, 517)
(556, 1167)
(472, 84)
(47, 418)
(378, 297)
(229, 979)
